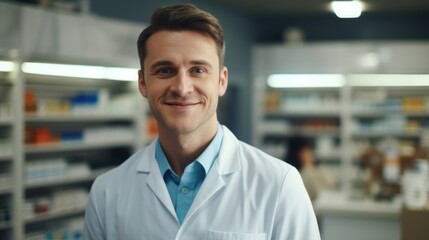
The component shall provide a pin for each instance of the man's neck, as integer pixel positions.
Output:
(183, 149)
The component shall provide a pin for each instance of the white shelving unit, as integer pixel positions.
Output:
(57, 146)
(314, 113)
(10, 146)
(66, 38)
(390, 113)
(279, 113)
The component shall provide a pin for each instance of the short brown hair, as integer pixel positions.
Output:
(182, 17)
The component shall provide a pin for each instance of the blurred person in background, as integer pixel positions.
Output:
(300, 155)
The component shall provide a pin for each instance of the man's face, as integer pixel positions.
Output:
(182, 80)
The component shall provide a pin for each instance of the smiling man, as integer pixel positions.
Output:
(182, 80)
(196, 180)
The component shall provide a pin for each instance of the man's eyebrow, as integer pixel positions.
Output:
(164, 63)
(160, 64)
(201, 62)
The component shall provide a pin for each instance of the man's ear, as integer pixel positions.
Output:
(223, 81)
(142, 84)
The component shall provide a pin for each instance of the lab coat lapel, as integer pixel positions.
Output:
(212, 184)
(227, 163)
(148, 165)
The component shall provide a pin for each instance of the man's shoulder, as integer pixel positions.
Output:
(253, 158)
(122, 172)
(261, 161)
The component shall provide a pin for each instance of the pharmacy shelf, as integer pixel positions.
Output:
(366, 99)
(381, 113)
(64, 181)
(331, 157)
(5, 81)
(307, 113)
(5, 190)
(6, 122)
(54, 216)
(373, 134)
(78, 118)
(6, 157)
(117, 98)
(74, 146)
(369, 114)
(4, 226)
(10, 138)
(307, 132)
(415, 114)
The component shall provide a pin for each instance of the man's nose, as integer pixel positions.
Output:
(182, 84)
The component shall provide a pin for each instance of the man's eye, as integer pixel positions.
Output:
(165, 71)
(198, 70)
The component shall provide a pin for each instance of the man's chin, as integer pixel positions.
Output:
(184, 128)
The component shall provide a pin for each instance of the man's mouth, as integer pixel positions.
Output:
(181, 104)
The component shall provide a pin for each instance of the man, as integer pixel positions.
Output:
(196, 180)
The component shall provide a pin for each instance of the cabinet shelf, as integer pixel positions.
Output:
(74, 146)
(5, 80)
(367, 134)
(5, 226)
(307, 132)
(5, 190)
(77, 118)
(65, 181)
(325, 158)
(6, 122)
(319, 113)
(54, 216)
(90, 124)
(374, 107)
(6, 157)
(380, 114)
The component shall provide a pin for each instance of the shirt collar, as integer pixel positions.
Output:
(206, 159)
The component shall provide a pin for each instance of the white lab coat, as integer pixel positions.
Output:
(247, 195)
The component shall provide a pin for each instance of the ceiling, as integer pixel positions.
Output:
(297, 7)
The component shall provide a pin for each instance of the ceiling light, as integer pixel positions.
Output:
(6, 66)
(80, 71)
(388, 80)
(347, 9)
(305, 80)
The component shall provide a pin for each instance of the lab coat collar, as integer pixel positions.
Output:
(228, 159)
(228, 162)
(147, 161)
(229, 155)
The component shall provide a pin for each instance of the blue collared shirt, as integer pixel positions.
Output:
(183, 189)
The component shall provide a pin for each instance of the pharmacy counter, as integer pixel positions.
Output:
(343, 218)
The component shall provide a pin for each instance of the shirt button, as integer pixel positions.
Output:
(184, 190)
